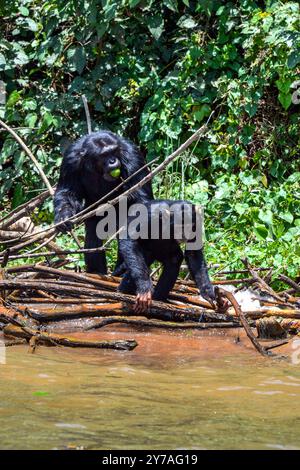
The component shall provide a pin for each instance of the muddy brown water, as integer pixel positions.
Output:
(176, 390)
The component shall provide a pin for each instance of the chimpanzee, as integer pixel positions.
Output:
(140, 246)
(91, 168)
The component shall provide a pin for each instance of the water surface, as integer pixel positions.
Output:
(175, 391)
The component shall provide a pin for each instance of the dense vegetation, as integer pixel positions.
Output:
(153, 71)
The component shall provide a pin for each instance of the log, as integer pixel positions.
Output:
(271, 312)
(157, 309)
(159, 324)
(12, 315)
(43, 314)
(51, 339)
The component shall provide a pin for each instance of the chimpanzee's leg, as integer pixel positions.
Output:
(95, 262)
(127, 285)
(171, 268)
(120, 267)
(198, 269)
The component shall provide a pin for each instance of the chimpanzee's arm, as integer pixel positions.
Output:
(138, 270)
(197, 266)
(68, 198)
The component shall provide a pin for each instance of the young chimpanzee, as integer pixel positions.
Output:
(91, 168)
(155, 235)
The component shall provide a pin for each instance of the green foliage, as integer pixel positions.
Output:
(153, 71)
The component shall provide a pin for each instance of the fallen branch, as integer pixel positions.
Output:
(260, 281)
(51, 339)
(159, 324)
(290, 282)
(24, 210)
(244, 322)
(30, 155)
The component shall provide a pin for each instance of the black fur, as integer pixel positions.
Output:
(139, 254)
(85, 178)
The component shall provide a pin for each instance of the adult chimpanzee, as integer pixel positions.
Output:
(92, 167)
(140, 249)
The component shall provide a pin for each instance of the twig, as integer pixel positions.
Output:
(30, 254)
(87, 114)
(30, 155)
(290, 282)
(244, 322)
(23, 210)
(56, 253)
(260, 281)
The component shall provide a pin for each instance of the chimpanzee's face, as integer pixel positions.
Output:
(106, 157)
(109, 164)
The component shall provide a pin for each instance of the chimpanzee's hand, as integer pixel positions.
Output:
(143, 302)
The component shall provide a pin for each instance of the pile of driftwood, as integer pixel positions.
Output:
(35, 298)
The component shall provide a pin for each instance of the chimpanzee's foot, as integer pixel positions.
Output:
(208, 293)
(143, 302)
(223, 303)
(94, 271)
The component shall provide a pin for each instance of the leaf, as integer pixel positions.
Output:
(283, 85)
(251, 109)
(18, 196)
(186, 22)
(21, 58)
(200, 114)
(241, 208)
(266, 216)
(287, 216)
(110, 11)
(260, 231)
(285, 99)
(134, 3)
(30, 120)
(101, 29)
(46, 122)
(279, 230)
(293, 59)
(14, 97)
(78, 59)
(2, 61)
(171, 4)
(155, 25)
(24, 11)
(32, 25)
(264, 181)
